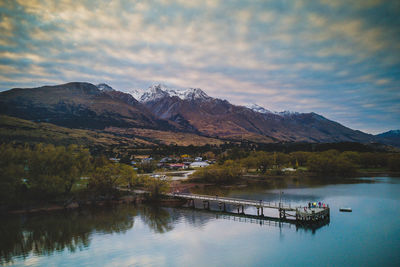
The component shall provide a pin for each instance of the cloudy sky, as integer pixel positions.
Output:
(338, 58)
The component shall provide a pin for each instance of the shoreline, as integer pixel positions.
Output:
(187, 186)
(48, 207)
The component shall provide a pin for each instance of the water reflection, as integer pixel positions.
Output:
(199, 217)
(45, 234)
(275, 185)
(156, 218)
(41, 234)
(144, 235)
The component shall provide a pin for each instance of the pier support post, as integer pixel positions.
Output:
(258, 211)
(282, 214)
(262, 211)
(238, 209)
(242, 209)
(224, 207)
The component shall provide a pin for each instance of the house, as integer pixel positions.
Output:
(115, 160)
(198, 159)
(147, 160)
(185, 157)
(166, 159)
(288, 170)
(199, 164)
(176, 166)
(140, 158)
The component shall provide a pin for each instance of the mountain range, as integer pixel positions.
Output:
(166, 110)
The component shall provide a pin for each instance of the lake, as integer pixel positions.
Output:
(149, 236)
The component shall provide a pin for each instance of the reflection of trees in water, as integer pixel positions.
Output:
(196, 218)
(41, 234)
(44, 234)
(162, 220)
(158, 219)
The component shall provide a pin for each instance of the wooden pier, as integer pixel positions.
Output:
(286, 212)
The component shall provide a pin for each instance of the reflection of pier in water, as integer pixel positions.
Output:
(262, 221)
(311, 216)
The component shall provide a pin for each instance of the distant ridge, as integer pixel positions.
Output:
(390, 137)
(84, 105)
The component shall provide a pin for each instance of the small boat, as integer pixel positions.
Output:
(345, 209)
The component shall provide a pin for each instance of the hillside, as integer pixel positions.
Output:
(23, 131)
(171, 116)
(219, 118)
(390, 137)
(78, 105)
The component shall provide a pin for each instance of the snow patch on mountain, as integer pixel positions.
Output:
(105, 87)
(260, 109)
(288, 113)
(136, 93)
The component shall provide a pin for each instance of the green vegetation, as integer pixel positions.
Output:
(37, 173)
(157, 187)
(332, 163)
(47, 173)
(394, 163)
(234, 163)
(225, 173)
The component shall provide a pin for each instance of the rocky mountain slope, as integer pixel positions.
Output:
(391, 137)
(79, 105)
(84, 105)
(193, 108)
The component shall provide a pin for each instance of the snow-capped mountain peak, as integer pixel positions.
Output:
(259, 109)
(158, 91)
(195, 94)
(104, 87)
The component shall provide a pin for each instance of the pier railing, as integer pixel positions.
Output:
(236, 201)
(303, 214)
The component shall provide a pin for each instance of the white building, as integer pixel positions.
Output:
(199, 164)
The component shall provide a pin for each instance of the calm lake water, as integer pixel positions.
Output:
(148, 236)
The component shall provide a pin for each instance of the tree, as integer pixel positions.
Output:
(300, 157)
(105, 180)
(157, 186)
(54, 170)
(394, 162)
(264, 161)
(12, 172)
(330, 163)
(128, 175)
(147, 167)
(227, 173)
